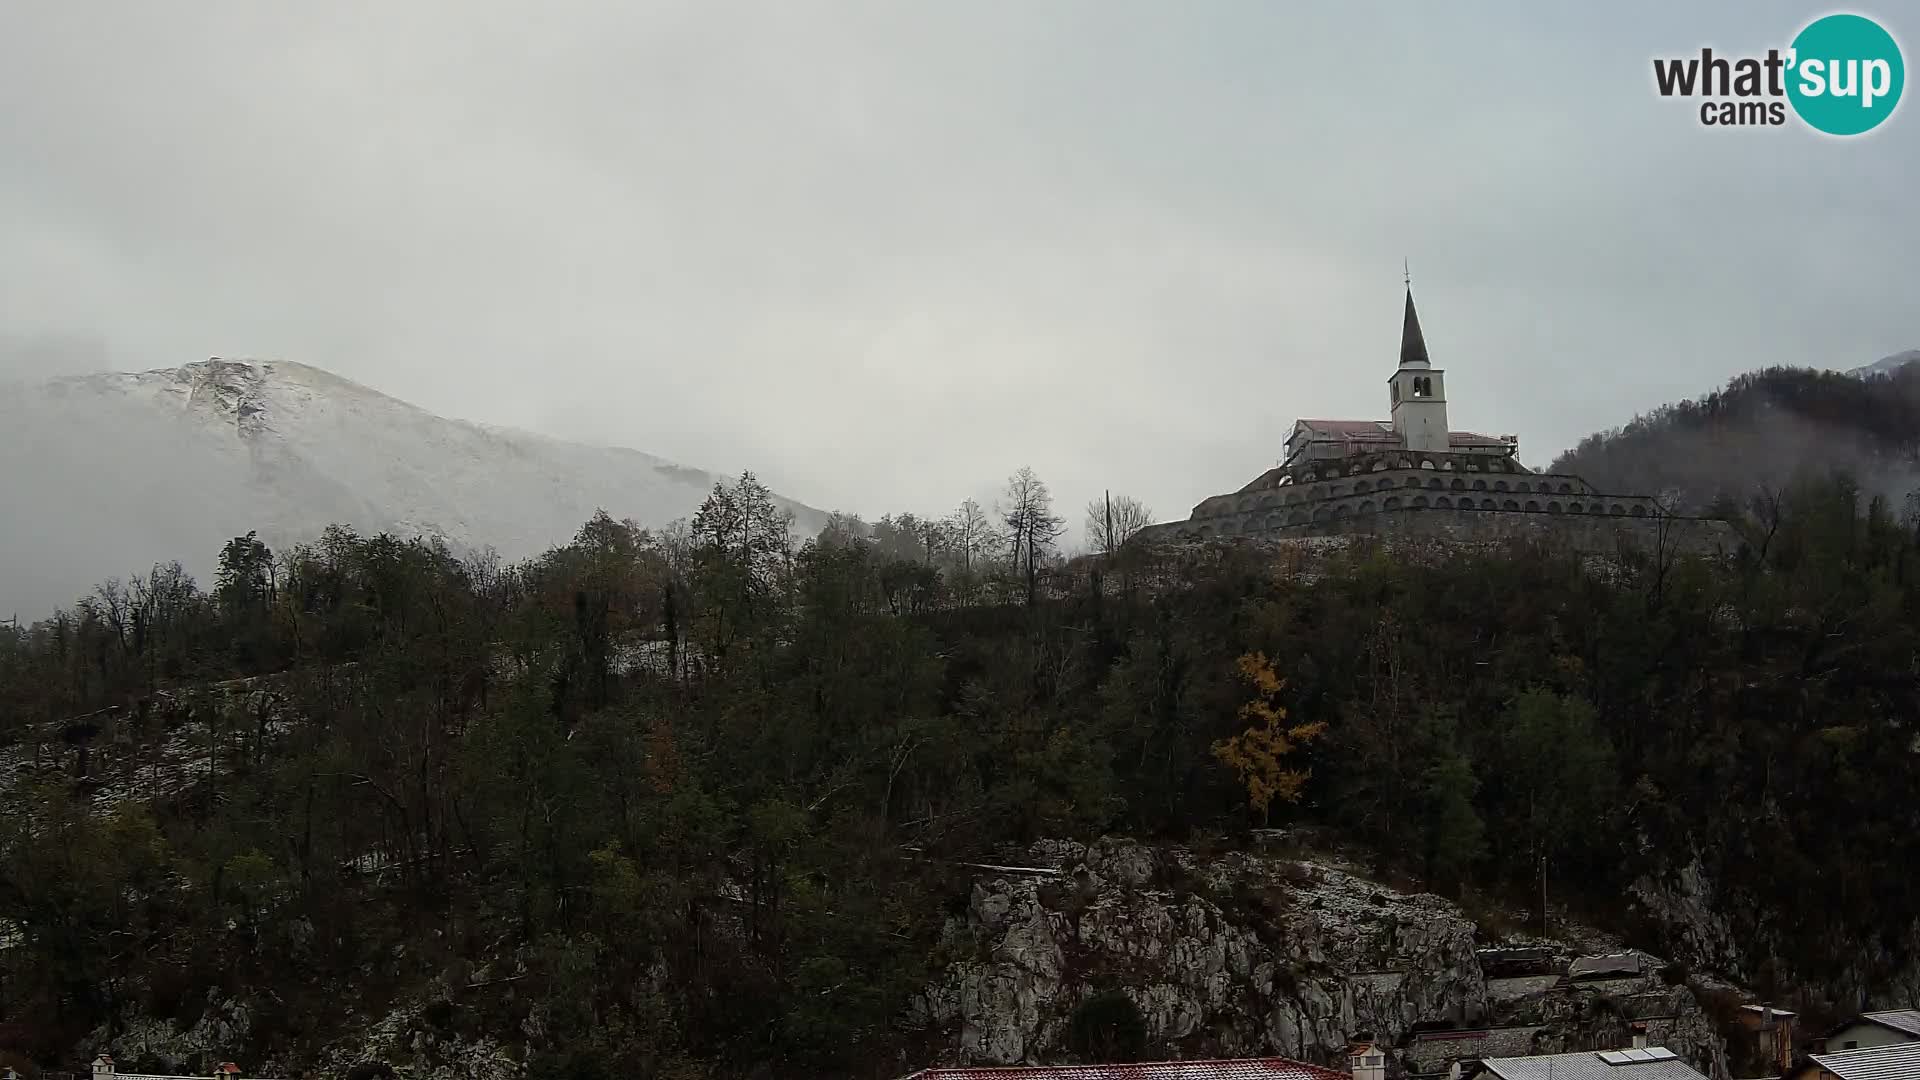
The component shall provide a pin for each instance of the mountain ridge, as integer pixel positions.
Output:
(130, 468)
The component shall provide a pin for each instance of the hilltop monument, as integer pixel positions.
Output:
(1413, 474)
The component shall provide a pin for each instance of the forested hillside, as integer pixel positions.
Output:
(1753, 437)
(675, 804)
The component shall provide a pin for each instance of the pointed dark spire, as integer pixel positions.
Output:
(1413, 344)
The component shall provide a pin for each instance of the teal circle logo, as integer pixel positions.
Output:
(1846, 74)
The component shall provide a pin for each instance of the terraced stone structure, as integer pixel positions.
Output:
(1413, 474)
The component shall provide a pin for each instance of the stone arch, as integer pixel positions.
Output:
(1413, 482)
(1566, 489)
(1618, 510)
(1479, 485)
(1392, 503)
(1342, 511)
(1229, 527)
(1576, 508)
(1499, 485)
(1458, 484)
(1367, 507)
(1292, 497)
(1320, 514)
(1510, 505)
(1268, 501)
(1487, 504)
(1318, 492)
(1533, 504)
(1443, 503)
(1638, 511)
(1361, 486)
(1335, 491)
(1298, 517)
(1276, 520)
(1419, 502)
(1554, 507)
(1379, 466)
(1426, 463)
(1433, 483)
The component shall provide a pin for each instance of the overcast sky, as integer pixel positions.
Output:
(886, 252)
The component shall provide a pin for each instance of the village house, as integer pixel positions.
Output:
(103, 1069)
(1766, 1037)
(1639, 1063)
(1873, 1029)
(1887, 1061)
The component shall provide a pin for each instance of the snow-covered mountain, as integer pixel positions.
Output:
(1888, 364)
(103, 475)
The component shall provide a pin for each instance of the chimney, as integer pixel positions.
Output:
(103, 1067)
(1639, 1035)
(1367, 1060)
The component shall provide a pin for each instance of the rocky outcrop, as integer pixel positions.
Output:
(145, 1043)
(1246, 954)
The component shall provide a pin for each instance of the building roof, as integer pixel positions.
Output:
(1895, 1061)
(1413, 344)
(1240, 1069)
(1905, 1021)
(1612, 966)
(1382, 431)
(1469, 438)
(1353, 429)
(1652, 1063)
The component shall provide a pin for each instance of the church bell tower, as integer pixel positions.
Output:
(1419, 391)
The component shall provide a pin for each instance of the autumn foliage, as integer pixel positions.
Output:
(1259, 754)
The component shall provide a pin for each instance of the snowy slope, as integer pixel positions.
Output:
(1889, 364)
(106, 474)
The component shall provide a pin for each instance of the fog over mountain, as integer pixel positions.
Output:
(1886, 365)
(118, 471)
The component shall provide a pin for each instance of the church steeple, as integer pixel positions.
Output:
(1418, 391)
(1413, 344)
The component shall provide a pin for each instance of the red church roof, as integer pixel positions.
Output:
(1242, 1069)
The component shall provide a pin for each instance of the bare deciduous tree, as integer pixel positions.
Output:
(1113, 520)
(1031, 524)
(971, 533)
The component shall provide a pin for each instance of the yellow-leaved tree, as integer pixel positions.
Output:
(1259, 754)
